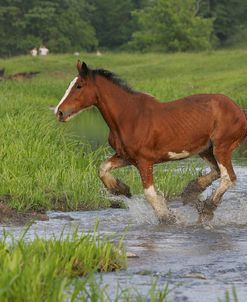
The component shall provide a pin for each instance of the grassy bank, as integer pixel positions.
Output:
(47, 165)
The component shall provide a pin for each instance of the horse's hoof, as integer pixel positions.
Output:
(121, 189)
(206, 211)
(118, 192)
(128, 194)
(205, 221)
(206, 218)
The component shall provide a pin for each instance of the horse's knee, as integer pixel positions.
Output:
(114, 185)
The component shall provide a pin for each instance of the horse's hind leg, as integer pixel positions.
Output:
(227, 178)
(197, 186)
(114, 185)
(206, 180)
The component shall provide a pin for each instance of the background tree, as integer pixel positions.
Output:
(113, 21)
(171, 25)
(166, 25)
(229, 16)
(62, 25)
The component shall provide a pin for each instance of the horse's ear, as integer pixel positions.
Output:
(78, 65)
(84, 69)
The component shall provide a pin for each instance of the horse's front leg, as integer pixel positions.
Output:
(157, 201)
(114, 185)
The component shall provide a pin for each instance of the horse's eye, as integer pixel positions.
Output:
(78, 86)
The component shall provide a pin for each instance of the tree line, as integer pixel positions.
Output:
(142, 25)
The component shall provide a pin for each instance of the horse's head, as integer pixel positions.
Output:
(80, 94)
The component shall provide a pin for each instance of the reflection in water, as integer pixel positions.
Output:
(89, 127)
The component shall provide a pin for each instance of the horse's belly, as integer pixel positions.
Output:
(176, 150)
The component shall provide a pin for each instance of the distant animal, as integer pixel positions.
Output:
(144, 132)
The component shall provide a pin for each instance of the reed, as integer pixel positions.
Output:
(45, 269)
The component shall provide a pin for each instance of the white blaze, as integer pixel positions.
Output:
(66, 94)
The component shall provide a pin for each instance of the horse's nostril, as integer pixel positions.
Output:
(60, 113)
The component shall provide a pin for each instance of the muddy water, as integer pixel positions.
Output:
(199, 264)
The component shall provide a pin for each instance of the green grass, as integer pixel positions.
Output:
(98, 293)
(58, 270)
(45, 269)
(230, 296)
(49, 165)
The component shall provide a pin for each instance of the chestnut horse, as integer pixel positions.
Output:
(144, 132)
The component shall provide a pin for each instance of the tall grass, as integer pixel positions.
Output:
(44, 270)
(58, 270)
(47, 165)
(41, 168)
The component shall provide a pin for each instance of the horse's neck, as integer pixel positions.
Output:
(113, 103)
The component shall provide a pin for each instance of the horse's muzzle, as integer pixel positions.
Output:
(60, 115)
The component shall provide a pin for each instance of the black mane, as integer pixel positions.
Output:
(113, 78)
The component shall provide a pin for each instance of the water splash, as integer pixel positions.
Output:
(141, 211)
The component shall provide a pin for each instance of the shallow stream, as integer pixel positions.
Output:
(199, 264)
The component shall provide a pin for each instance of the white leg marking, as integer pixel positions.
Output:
(66, 94)
(150, 193)
(104, 168)
(174, 155)
(223, 172)
(225, 183)
(158, 202)
(108, 179)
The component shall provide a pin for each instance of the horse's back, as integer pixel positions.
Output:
(192, 123)
(218, 114)
(214, 106)
(202, 100)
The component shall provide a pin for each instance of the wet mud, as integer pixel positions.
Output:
(9, 216)
(18, 76)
